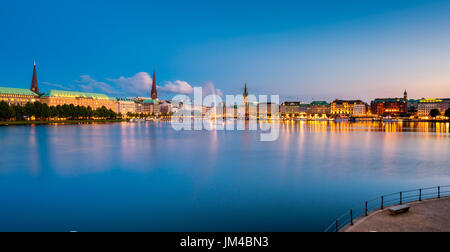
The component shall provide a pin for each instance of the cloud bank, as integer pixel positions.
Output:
(138, 85)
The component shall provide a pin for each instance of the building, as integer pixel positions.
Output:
(413, 106)
(318, 108)
(93, 100)
(426, 105)
(17, 96)
(348, 108)
(150, 107)
(125, 106)
(293, 108)
(389, 106)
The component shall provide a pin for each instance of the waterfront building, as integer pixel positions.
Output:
(389, 106)
(93, 100)
(293, 108)
(318, 108)
(348, 107)
(125, 106)
(149, 107)
(426, 105)
(413, 106)
(17, 96)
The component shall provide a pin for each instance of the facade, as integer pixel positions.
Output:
(125, 106)
(318, 108)
(389, 106)
(17, 96)
(150, 107)
(93, 100)
(359, 109)
(293, 108)
(348, 107)
(413, 106)
(426, 105)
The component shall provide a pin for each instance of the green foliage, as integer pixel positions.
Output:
(43, 111)
(447, 113)
(434, 113)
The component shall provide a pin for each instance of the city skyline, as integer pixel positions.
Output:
(351, 50)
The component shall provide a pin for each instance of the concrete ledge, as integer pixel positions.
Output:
(425, 216)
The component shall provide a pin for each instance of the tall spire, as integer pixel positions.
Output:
(154, 91)
(245, 91)
(406, 95)
(34, 82)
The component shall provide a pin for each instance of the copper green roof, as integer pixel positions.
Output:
(150, 101)
(321, 103)
(71, 94)
(16, 91)
(390, 100)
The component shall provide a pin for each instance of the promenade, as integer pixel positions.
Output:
(426, 216)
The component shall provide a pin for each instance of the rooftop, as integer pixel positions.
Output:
(71, 94)
(16, 91)
(389, 100)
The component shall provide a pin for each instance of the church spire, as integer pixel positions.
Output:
(34, 82)
(405, 95)
(154, 91)
(245, 91)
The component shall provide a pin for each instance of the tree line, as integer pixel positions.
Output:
(42, 111)
(435, 113)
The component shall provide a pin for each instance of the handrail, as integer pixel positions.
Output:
(387, 201)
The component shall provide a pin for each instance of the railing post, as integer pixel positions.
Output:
(382, 202)
(367, 209)
(337, 226)
(351, 217)
(439, 192)
(420, 194)
(401, 198)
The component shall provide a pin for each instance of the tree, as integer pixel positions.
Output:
(447, 113)
(434, 113)
(5, 111)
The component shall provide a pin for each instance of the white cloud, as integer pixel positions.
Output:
(178, 87)
(210, 89)
(139, 85)
(88, 84)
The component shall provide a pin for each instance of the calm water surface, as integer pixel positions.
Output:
(148, 177)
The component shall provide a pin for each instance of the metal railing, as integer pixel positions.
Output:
(385, 201)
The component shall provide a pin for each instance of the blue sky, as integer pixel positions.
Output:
(298, 49)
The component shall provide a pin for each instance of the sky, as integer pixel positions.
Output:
(300, 50)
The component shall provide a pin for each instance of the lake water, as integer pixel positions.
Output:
(149, 177)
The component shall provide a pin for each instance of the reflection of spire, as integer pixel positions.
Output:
(34, 82)
(154, 91)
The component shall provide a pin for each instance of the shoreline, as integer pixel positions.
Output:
(16, 123)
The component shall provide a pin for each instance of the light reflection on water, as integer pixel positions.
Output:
(148, 177)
